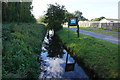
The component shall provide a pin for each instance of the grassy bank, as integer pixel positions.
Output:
(97, 30)
(21, 48)
(99, 55)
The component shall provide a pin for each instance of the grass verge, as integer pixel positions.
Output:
(21, 48)
(97, 30)
(99, 55)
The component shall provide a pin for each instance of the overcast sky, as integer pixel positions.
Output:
(90, 8)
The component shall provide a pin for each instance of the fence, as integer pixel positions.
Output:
(114, 26)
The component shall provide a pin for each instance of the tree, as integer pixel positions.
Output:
(67, 15)
(98, 19)
(41, 19)
(75, 14)
(78, 14)
(83, 19)
(102, 18)
(17, 12)
(55, 16)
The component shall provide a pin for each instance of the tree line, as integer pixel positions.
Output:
(66, 15)
(17, 12)
(56, 15)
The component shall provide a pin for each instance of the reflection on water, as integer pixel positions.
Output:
(56, 62)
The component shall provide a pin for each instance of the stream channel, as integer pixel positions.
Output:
(56, 62)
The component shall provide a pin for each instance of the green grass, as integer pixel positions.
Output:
(97, 30)
(21, 48)
(97, 54)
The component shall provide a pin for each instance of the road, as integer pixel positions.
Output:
(109, 38)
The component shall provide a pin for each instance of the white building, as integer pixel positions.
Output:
(110, 20)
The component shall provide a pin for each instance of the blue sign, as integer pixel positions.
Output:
(73, 21)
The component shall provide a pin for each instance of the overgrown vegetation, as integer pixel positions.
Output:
(17, 12)
(21, 48)
(22, 39)
(99, 55)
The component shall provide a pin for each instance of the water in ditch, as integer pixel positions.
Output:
(55, 61)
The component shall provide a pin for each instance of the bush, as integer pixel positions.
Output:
(21, 48)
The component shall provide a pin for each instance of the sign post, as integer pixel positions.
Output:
(73, 21)
(68, 32)
(78, 31)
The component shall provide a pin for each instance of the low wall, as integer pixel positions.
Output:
(114, 26)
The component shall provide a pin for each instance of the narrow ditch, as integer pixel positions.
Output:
(56, 61)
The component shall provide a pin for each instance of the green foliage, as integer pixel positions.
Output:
(75, 14)
(84, 19)
(55, 16)
(17, 12)
(21, 48)
(98, 19)
(99, 55)
(41, 19)
(78, 14)
(67, 15)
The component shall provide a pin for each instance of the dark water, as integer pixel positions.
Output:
(56, 61)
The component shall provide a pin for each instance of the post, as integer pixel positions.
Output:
(68, 33)
(78, 34)
(73, 21)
